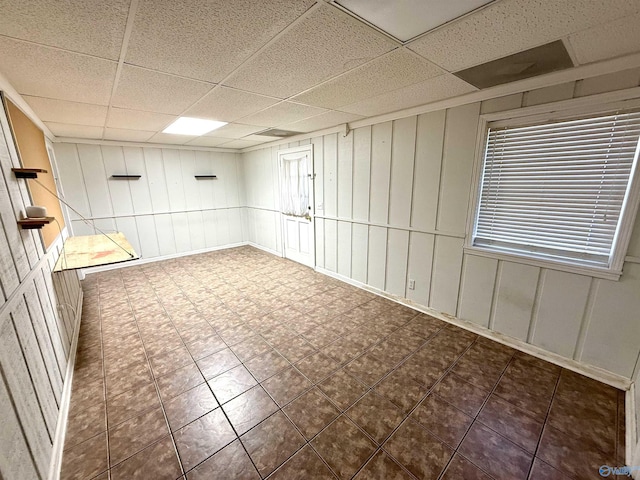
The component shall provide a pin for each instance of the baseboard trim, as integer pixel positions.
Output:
(61, 427)
(595, 373)
(266, 249)
(142, 261)
(632, 449)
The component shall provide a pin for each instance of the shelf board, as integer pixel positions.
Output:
(28, 172)
(204, 177)
(126, 177)
(34, 223)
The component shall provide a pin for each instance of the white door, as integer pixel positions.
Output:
(296, 187)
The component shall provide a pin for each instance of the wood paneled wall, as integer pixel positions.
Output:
(167, 211)
(37, 324)
(391, 205)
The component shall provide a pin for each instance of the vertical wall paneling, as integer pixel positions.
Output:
(563, 298)
(56, 331)
(24, 396)
(344, 249)
(15, 458)
(426, 181)
(72, 179)
(345, 175)
(320, 247)
(119, 190)
(397, 252)
(189, 183)
(516, 289)
(129, 227)
(361, 172)
(210, 230)
(377, 257)
(420, 266)
(331, 175)
(445, 278)
(318, 170)
(457, 165)
(331, 244)
(402, 162)
(196, 230)
(36, 366)
(157, 179)
(380, 172)
(93, 168)
(175, 183)
(476, 289)
(139, 189)
(613, 342)
(359, 249)
(166, 235)
(181, 232)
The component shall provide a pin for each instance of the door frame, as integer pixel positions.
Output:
(285, 151)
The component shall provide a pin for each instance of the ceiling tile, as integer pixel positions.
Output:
(125, 135)
(241, 143)
(285, 112)
(234, 130)
(397, 69)
(511, 26)
(613, 39)
(62, 111)
(52, 73)
(138, 120)
(228, 104)
(322, 45)
(432, 90)
(142, 89)
(261, 138)
(76, 131)
(319, 122)
(170, 138)
(208, 141)
(206, 39)
(94, 27)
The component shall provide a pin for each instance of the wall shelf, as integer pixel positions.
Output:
(34, 223)
(205, 177)
(126, 177)
(28, 172)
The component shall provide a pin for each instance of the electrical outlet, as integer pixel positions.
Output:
(412, 284)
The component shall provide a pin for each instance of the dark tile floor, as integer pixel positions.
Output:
(241, 365)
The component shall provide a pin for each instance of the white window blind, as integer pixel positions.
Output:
(557, 190)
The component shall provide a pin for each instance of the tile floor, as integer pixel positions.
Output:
(240, 365)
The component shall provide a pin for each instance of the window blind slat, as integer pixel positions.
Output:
(557, 188)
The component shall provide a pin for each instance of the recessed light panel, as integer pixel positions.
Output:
(193, 126)
(406, 19)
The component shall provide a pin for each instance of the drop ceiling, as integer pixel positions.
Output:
(125, 69)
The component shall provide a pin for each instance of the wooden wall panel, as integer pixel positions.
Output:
(377, 257)
(516, 292)
(344, 249)
(402, 161)
(139, 189)
(380, 172)
(331, 244)
(330, 170)
(457, 166)
(156, 177)
(359, 249)
(420, 266)
(476, 289)
(119, 190)
(345, 176)
(97, 190)
(561, 309)
(361, 172)
(397, 253)
(426, 181)
(445, 278)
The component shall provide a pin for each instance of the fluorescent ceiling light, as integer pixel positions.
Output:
(193, 126)
(406, 19)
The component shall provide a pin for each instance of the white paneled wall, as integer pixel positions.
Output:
(391, 205)
(167, 211)
(38, 316)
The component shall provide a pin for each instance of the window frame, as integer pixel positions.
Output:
(563, 110)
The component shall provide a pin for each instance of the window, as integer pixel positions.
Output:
(560, 191)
